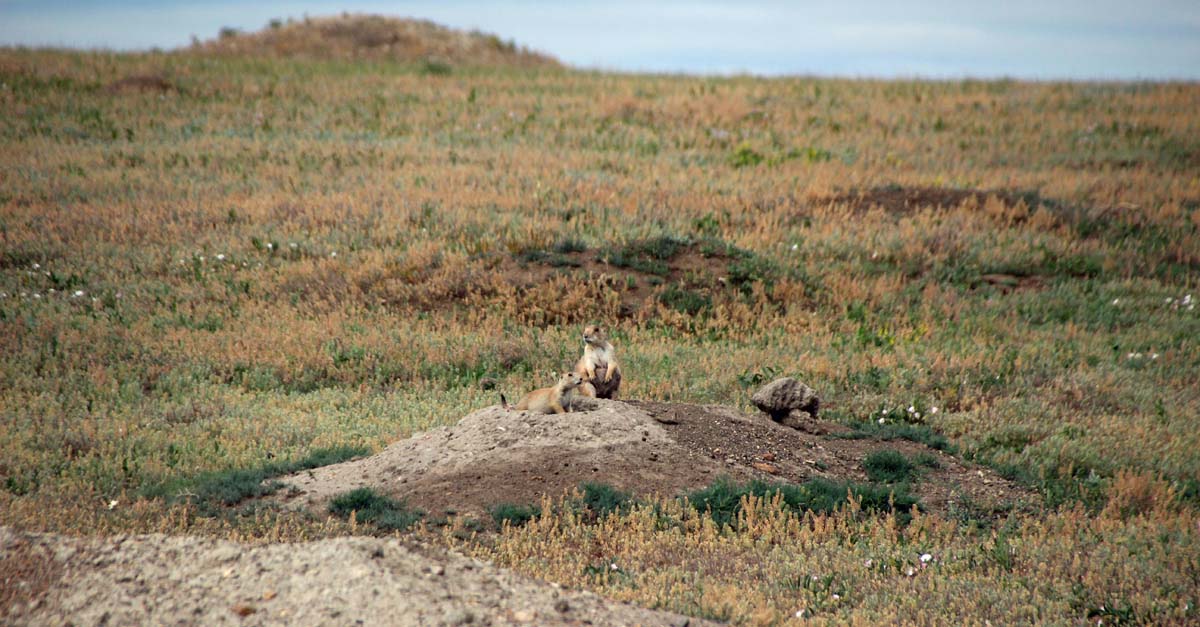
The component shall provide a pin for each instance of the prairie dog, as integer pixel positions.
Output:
(598, 367)
(551, 400)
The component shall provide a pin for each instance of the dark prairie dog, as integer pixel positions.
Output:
(551, 400)
(598, 366)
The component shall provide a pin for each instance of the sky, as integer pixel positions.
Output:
(1068, 39)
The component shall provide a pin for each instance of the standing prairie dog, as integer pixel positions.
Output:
(551, 400)
(598, 366)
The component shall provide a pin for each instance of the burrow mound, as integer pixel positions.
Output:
(495, 456)
(163, 580)
(374, 37)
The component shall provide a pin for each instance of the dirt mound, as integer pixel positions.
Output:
(663, 278)
(495, 456)
(374, 37)
(161, 580)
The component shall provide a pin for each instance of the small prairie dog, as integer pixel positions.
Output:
(551, 400)
(598, 366)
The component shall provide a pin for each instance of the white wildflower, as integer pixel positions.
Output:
(77, 293)
(52, 290)
(613, 566)
(868, 563)
(836, 596)
(881, 421)
(933, 410)
(270, 245)
(36, 295)
(221, 257)
(911, 571)
(37, 266)
(911, 409)
(293, 244)
(333, 254)
(800, 613)
(112, 504)
(925, 558)
(1153, 355)
(1116, 301)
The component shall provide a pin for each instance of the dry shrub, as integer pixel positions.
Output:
(1134, 493)
(563, 301)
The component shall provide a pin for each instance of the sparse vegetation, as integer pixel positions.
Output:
(277, 254)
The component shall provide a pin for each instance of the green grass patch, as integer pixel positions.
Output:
(370, 507)
(603, 499)
(889, 466)
(515, 514)
(212, 490)
(684, 300)
(646, 255)
(723, 498)
(922, 434)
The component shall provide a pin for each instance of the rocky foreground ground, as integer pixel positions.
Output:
(161, 580)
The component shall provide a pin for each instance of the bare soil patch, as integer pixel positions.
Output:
(638, 282)
(162, 580)
(495, 456)
(571, 285)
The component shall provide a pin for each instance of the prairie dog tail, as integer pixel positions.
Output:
(504, 401)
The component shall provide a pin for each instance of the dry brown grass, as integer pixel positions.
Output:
(1030, 282)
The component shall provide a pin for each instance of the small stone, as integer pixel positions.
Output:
(781, 397)
(243, 609)
(562, 606)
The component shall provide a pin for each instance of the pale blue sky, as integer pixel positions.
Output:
(1158, 39)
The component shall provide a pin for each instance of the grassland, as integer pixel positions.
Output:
(258, 259)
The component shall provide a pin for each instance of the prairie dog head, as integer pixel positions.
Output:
(570, 380)
(593, 334)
